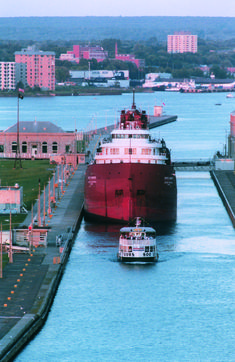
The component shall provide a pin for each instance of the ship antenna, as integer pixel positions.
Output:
(133, 104)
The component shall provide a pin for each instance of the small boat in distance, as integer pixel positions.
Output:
(137, 243)
(229, 95)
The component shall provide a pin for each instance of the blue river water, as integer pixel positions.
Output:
(179, 309)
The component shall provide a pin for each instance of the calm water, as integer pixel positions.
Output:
(199, 132)
(183, 307)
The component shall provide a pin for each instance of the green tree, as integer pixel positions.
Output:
(61, 74)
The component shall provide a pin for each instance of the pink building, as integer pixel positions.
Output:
(85, 52)
(39, 140)
(40, 67)
(140, 63)
(11, 199)
(182, 42)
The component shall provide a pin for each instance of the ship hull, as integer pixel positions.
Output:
(123, 191)
(137, 260)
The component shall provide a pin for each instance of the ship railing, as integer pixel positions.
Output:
(145, 241)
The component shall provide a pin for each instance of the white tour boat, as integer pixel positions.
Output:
(137, 243)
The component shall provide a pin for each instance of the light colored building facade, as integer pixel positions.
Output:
(11, 74)
(11, 199)
(7, 75)
(182, 42)
(40, 67)
(101, 78)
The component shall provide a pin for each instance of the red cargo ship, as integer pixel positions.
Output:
(131, 175)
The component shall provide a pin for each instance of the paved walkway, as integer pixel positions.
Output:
(26, 281)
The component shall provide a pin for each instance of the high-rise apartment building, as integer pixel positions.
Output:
(40, 67)
(7, 75)
(21, 74)
(182, 42)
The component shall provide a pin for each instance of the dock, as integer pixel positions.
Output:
(29, 284)
(154, 122)
(225, 184)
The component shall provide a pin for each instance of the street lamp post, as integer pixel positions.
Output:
(17, 156)
(39, 203)
(1, 253)
(49, 198)
(44, 205)
(10, 246)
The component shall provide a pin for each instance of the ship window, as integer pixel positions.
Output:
(1, 148)
(146, 151)
(114, 151)
(140, 192)
(147, 249)
(118, 193)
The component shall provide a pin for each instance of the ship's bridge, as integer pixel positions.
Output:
(127, 134)
(131, 146)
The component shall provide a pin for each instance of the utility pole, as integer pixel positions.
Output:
(17, 156)
(10, 246)
(44, 205)
(39, 203)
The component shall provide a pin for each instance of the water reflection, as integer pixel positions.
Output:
(105, 236)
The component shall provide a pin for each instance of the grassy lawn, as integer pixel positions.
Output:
(28, 176)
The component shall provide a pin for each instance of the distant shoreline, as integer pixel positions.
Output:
(79, 94)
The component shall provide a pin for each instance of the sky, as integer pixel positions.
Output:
(14, 8)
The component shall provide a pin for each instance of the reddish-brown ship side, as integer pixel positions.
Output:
(120, 192)
(131, 175)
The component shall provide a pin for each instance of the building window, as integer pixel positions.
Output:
(54, 147)
(14, 147)
(67, 148)
(44, 147)
(1, 148)
(24, 147)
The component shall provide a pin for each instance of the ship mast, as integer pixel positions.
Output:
(133, 104)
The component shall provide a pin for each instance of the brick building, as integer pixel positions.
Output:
(40, 140)
(182, 42)
(140, 63)
(85, 52)
(40, 67)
